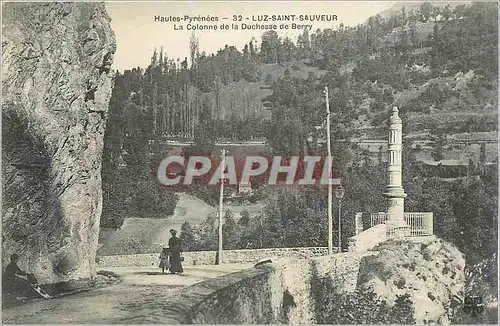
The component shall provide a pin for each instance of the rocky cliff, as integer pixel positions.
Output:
(56, 87)
(430, 273)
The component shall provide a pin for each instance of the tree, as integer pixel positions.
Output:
(475, 205)
(230, 234)
(270, 46)
(246, 53)
(304, 44)
(434, 196)
(413, 34)
(289, 49)
(293, 220)
(193, 50)
(380, 155)
(205, 131)
(188, 237)
(447, 12)
(269, 80)
(482, 157)
(208, 233)
(471, 168)
(425, 11)
(245, 218)
(438, 148)
(252, 48)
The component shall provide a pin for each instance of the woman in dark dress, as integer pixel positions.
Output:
(175, 253)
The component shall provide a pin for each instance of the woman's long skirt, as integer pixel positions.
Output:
(175, 262)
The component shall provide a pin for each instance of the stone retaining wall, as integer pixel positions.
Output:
(283, 291)
(209, 257)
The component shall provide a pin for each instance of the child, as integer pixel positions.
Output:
(164, 259)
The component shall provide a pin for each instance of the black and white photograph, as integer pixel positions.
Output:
(249, 162)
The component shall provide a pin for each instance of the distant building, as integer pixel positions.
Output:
(244, 188)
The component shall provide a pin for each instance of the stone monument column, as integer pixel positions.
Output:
(394, 192)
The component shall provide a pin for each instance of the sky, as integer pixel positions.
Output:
(137, 33)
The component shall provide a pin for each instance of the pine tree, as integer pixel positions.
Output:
(194, 50)
(252, 48)
(188, 237)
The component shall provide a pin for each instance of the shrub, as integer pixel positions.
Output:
(361, 307)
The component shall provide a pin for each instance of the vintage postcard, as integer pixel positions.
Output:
(228, 162)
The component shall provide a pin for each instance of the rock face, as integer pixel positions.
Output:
(56, 88)
(430, 272)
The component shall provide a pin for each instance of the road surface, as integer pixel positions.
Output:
(141, 291)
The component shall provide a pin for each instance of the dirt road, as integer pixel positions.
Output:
(143, 291)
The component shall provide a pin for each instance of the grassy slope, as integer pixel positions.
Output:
(246, 98)
(142, 235)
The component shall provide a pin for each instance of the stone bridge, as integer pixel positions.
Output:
(234, 292)
(288, 288)
(227, 293)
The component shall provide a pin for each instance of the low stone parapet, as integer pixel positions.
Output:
(210, 257)
(285, 291)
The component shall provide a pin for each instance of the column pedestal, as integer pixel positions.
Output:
(397, 228)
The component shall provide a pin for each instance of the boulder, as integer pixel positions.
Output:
(56, 88)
